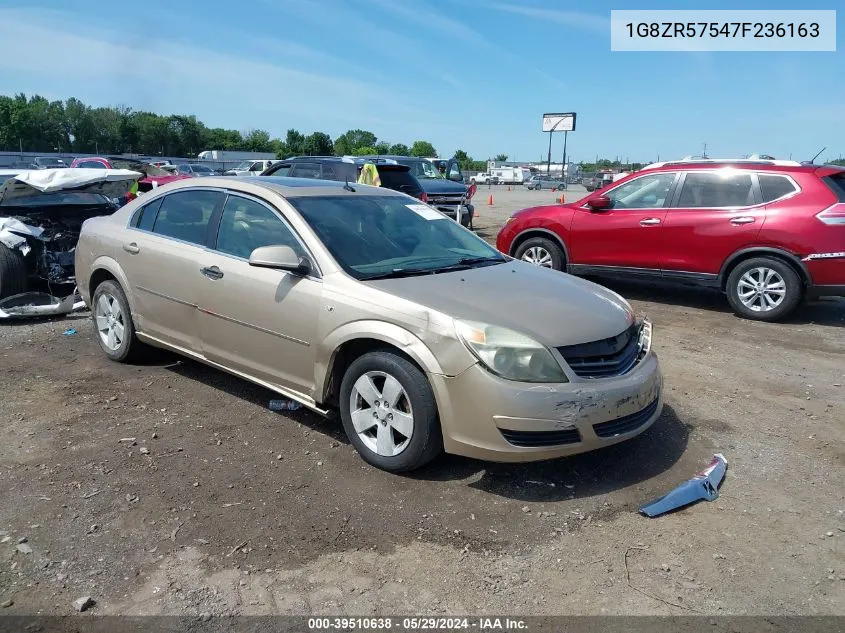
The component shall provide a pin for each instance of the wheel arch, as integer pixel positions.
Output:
(527, 234)
(763, 251)
(353, 340)
(103, 269)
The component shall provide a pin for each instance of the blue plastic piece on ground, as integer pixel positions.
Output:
(705, 485)
(69, 332)
(284, 405)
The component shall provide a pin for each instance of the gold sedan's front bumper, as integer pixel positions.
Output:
(487, 417)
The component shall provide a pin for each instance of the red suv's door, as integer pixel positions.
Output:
(629, 234)
(714, 214)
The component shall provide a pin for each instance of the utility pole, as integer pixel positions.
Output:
(705, 150)
(563, 162)
(549, 159)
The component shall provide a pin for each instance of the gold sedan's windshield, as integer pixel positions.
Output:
(392, 236)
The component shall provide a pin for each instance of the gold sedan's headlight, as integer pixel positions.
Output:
(510, 354)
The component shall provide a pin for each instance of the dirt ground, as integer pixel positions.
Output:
(170, 488)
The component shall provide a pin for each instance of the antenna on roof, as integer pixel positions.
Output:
(347, 186)
(813, 160)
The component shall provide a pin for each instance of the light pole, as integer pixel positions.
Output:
(549, 160)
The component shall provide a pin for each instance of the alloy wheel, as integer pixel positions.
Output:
(381, 413)
(761, 289)
(110, 323)
(538, 256)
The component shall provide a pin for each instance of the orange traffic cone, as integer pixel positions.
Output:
(490, 200)
(562, 200)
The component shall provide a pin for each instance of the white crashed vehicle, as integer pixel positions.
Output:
(41, 214)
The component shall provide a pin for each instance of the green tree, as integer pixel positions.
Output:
(347, 142)
(464, 159)
(423, 149)
(501, 158)
(399, 149)
(382, 147)
(257, 141)
(318, 144)
(294, 143)
(365, 151)
(220, 138)
(839, 161)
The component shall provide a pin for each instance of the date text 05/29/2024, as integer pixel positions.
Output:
(705, 30)
(422, 623)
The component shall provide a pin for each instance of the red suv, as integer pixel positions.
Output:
(768, 233)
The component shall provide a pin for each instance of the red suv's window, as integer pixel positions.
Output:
(774, 186)
(646, 192)
(837, 183)
(715, 190)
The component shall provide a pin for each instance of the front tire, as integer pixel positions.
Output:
(764, 289)
(113, 327)
(13, 275)
(542, 252)
(389, 412)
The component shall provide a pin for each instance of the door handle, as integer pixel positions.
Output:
(742, 220)
(132, 248)
(212, 273)
(650, 222)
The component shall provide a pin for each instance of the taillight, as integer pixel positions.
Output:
(834, 214)
(424, 197)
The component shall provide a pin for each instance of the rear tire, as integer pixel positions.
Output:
(541, 251)
(389, 412)
(113, 326)
(764, 289)
(13, 276)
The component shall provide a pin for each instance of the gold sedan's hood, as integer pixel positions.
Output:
(554, 308)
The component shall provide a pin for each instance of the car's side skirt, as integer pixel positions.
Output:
(630, 272)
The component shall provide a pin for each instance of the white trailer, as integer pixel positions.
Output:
(227, 156)
(510, 175)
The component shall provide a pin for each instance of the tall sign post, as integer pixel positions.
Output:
(558, 122)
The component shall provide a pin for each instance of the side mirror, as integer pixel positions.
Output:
(280, 258)
(600, 203)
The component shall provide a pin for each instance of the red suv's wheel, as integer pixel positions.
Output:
(541, 251)
(764, 289)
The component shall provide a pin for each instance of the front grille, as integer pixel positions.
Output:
(541, 438)
(626, 423)
(445, 200)
(612, 356)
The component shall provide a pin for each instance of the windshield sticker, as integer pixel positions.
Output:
(425, 211)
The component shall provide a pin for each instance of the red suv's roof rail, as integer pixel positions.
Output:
(724, 161)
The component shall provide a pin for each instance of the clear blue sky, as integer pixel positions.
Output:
(470, 74)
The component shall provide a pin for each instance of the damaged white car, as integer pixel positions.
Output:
(41, 214)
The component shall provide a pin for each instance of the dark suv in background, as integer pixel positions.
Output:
(393, 175)
(443, 183)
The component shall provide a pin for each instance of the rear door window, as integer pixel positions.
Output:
(185, 215)
(145, 217)
(305, 170)
(773, 186)
(716, 190)
(328, 172)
